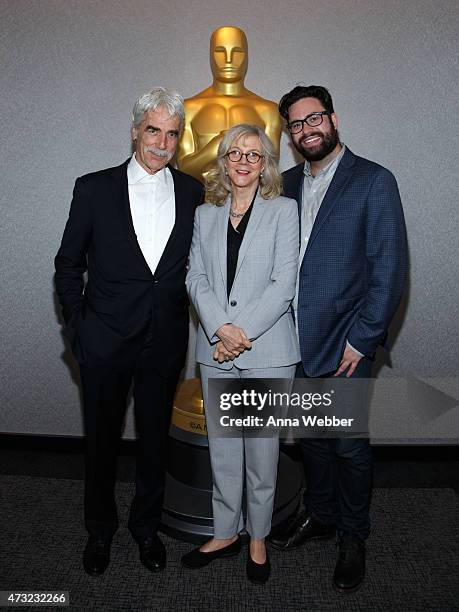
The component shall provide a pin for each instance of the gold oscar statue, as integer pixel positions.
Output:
(224, 104)
(207, 115)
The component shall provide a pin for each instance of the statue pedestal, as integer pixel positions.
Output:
(187, 511)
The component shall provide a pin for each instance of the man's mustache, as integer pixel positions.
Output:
(159, 152)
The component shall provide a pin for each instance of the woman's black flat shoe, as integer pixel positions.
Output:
(196, 558)
(258, 573)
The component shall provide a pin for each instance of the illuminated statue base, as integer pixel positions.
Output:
(187, 512)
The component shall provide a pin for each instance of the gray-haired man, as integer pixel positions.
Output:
(130, 228)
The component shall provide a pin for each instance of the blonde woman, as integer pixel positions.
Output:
(241, 280)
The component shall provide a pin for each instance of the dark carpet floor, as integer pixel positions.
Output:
(412, 562)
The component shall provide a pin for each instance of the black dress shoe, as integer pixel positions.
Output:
(196, 558)
(152, 553)
(350, 567)
(258, 573)
(96, 556)
(303, 528)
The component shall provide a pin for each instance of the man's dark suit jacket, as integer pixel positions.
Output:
(352, 275)
(107, 323)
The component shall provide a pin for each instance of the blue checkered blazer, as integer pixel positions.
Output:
(353, 272)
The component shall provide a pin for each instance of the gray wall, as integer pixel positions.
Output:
(71, 71)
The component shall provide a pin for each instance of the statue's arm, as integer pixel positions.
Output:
(273, 126)
(197, 162)
(187, 144)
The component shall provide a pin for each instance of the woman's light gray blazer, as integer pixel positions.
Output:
(263, 287)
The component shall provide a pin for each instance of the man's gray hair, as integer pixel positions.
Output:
(156, 98)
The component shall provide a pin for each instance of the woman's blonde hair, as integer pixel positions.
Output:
(218, 185)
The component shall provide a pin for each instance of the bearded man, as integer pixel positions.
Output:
(353, 263)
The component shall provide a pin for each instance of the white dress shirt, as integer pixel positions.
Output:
(152, 202)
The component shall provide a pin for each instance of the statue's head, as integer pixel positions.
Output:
(228, 54)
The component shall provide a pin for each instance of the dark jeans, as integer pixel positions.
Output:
(338, 475)
(105, 391)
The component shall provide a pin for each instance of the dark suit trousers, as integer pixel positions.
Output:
(339, 475)
(105, 391)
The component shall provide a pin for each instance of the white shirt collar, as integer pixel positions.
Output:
(137, 174)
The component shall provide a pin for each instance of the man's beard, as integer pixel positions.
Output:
(317, 153)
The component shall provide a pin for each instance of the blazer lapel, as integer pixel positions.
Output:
(222, 233)
(179, 197)
(299, 200)
(122, 190)
(259, 207)
(340, 179)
